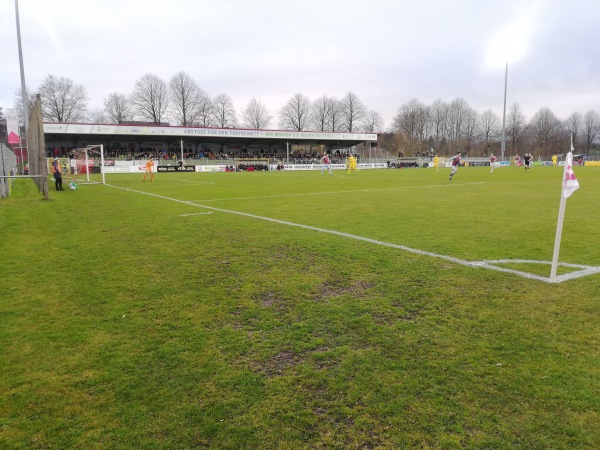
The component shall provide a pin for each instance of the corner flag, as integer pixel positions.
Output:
(570, 183)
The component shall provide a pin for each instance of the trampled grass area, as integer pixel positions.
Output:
(146, 321)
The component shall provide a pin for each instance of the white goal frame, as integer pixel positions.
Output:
(86, 150)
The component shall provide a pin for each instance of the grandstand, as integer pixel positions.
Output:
(184, 142)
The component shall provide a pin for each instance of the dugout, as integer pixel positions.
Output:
(139, 139)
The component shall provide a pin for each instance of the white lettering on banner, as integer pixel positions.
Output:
(211, 168)
(180, 131)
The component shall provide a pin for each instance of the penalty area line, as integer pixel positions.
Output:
(585, 270)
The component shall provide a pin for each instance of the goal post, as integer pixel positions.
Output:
(85, 162)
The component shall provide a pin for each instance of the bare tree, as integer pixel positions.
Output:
(150, 98)
(573, 125)
(336, 116)
(353, 112)
(515, 127)
(470, 127)
(255, 115)
(320, 113)
(489, 127)
(186, 99)
(411, 121)
(438, 121)
(393, 143)
(19, 103)
(458, 121)
(63, 101)
(544, 127)
(117, 108)
(205, 110)
(591, 129)
(372, 123)
(295, 114)
(223, 111)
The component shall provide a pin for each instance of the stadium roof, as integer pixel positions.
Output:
(82, 133)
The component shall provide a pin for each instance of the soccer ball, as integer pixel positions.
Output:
(73, 188)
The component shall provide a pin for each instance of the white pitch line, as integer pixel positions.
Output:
(586, 270)
(197, 214)
(339, 192)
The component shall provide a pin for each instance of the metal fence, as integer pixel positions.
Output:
(8, 168)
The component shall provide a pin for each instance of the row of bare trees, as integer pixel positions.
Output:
(329, 114)
(441, 127)
(444, 128)
(183, 102)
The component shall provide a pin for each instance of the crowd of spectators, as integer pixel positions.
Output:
(173, 154)
(425, 154)
(204, 152)
(252, 167)
(337, 157)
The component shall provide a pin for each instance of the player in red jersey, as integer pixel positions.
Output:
(455, 163)
(326, 160)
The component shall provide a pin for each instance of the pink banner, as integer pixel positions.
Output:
(12, 127)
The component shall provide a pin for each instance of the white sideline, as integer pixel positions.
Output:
(585, 270)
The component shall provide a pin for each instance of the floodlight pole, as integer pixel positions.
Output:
(503, 145)
(23, 88)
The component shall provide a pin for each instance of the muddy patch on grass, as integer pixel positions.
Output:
(356, 289)
(277, 364)
(270, 299)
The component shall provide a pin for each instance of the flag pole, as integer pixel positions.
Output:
(559, 227)
(569, 185)
(503, 142)
(23, 86)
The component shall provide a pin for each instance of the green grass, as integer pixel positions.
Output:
(134, 321)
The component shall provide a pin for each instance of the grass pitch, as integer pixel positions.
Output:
(267, 310)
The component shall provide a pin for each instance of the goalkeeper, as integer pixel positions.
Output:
(149, 169)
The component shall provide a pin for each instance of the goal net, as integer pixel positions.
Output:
(87, 165)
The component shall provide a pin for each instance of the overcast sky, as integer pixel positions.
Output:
(385, 51)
